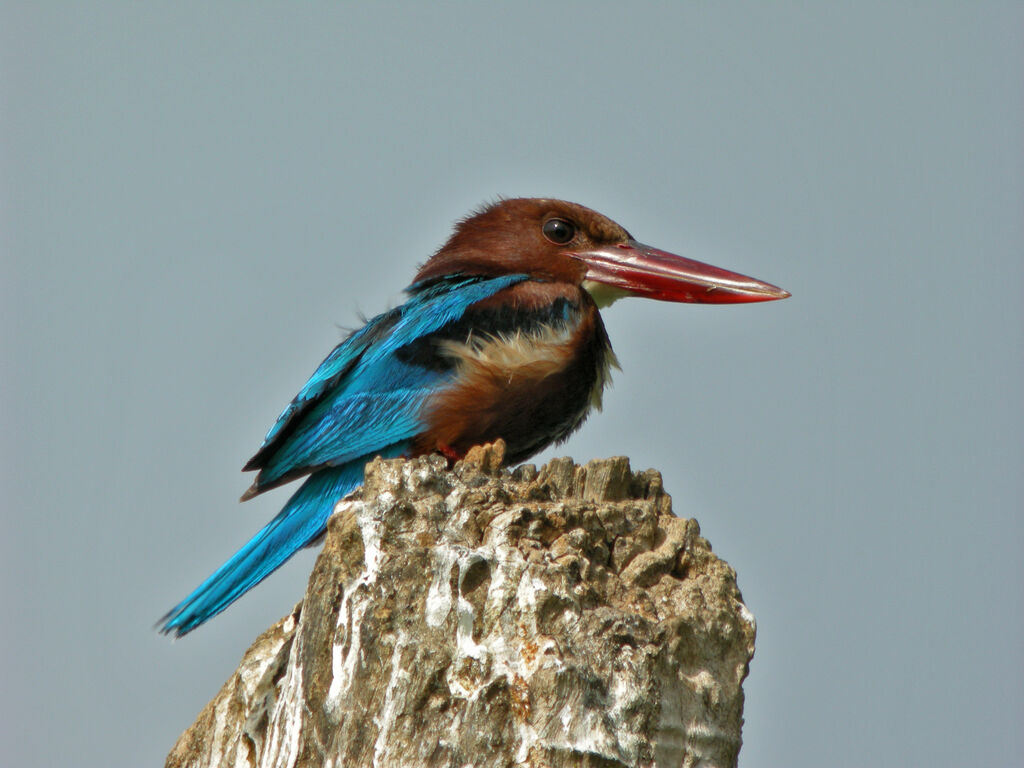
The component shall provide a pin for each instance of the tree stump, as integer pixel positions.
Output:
(481, 617)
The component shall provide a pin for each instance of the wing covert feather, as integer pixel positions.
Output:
(362, 397)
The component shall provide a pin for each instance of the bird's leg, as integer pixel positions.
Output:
(450, 453)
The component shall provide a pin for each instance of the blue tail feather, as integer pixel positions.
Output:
(298, 524)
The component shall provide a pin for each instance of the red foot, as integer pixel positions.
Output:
(450, 453)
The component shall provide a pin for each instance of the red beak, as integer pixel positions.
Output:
(640, 270)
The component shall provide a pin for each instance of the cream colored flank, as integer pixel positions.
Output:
(520, 356)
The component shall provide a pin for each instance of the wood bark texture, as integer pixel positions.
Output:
(481, 617)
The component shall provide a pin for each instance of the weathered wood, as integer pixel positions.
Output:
(477, 617)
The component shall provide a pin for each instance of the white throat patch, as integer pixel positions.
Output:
(603, 294)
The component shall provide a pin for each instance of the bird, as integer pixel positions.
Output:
(500, 336)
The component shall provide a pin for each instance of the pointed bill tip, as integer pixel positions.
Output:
(754, 290)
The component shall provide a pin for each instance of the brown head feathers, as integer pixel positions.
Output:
(533, 236)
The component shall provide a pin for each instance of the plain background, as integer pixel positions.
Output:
(197, 200)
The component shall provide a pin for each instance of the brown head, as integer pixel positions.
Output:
(558, 241)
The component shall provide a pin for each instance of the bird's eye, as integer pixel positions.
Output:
(559, 231)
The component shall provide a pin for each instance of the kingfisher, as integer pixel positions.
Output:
(500, 337)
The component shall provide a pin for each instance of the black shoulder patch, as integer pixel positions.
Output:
(500, 320)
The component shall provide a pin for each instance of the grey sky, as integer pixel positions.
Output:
(194, 199)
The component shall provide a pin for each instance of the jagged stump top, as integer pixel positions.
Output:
(477, 616)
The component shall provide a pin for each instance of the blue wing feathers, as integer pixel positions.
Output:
(327, 437)
(363, 400)
(333, 368)
(366, 363)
